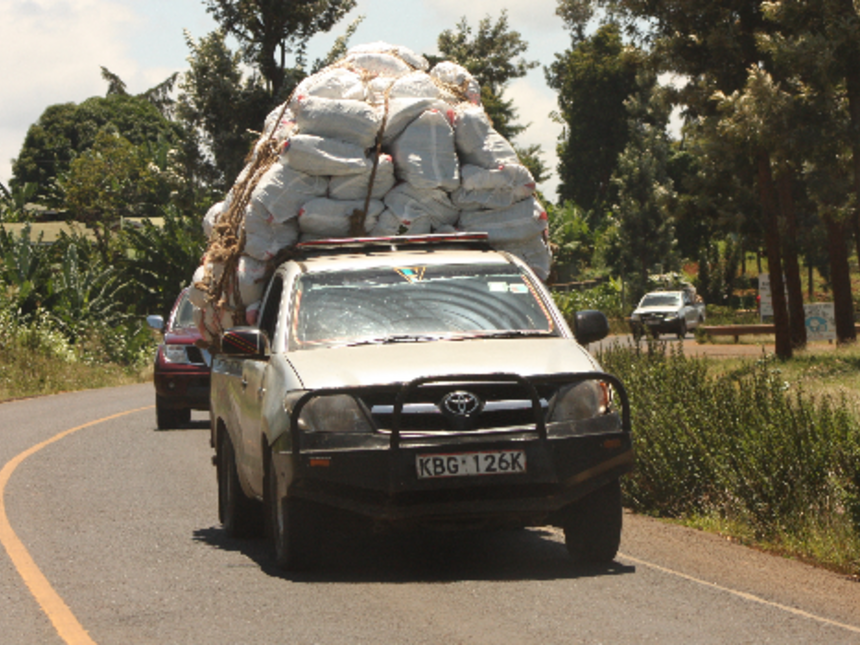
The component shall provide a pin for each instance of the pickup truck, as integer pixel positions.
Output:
(667, 312)
(414, 383)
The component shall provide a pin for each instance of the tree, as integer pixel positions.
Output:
(640, 211)
(65, 131)
(111, 180)
(222, 105)
(268, 30)
(593, 79)
(493, 54)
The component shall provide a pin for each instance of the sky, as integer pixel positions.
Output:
(53, 51)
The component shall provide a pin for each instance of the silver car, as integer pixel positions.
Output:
(416, 383)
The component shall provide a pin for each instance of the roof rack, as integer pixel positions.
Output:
(479, 241)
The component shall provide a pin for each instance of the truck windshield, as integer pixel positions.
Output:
(416, 303)
(661, 300)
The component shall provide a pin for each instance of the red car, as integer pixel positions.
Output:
(181, 368)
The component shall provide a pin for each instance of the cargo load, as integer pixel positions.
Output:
(377, 144)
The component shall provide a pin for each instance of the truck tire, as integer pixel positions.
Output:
(293, 528)
(682, 329)
(592, 525)
(167, 418)
(240, 515)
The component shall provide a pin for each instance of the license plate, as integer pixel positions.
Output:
(496, 462)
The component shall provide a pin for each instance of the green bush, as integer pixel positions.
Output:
(743, 448)
(605, 297)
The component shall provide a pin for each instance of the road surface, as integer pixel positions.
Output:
(110, 535)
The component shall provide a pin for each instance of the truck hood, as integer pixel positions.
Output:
(381, 364)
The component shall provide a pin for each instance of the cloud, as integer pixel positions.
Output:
(57, 47)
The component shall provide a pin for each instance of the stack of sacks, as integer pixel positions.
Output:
(437, 165)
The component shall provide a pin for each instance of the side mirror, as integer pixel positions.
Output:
(246, 342)
(590, 326)
(155, 322)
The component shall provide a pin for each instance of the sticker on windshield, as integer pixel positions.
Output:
(501, 287)
(412, 274)
(519, 288)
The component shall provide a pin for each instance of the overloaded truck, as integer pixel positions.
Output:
(386, 355)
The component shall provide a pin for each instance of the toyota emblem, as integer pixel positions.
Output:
(461, 404)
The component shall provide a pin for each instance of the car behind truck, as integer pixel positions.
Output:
(416, 383)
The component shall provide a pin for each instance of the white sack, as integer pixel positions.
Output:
(410, 57)
(391, 224)
(424, 154)
(282, 191)
(478, 143)
(355, 186)
(453, 74)
(330, 218)
(251, 276)
(515, 224)
(415, 85)
(376, 63)
(534, 252)
(403, 111)
(352, 121)
(320, 156)
(412, 204)
(484, 188)
(333, 83)
(264, 239)
(212, 216)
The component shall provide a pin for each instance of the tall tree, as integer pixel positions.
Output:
(222, 105)
(593, 79)
(640, 210)
(269, 30)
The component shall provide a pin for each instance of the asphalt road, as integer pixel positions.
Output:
(114, 526)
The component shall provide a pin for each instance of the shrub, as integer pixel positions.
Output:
(741, 447)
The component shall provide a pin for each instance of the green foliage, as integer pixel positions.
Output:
(739, 446)
(217, 100)
(268, 31)
(162, 260)
(593, 80)
(67, 130)
(572, 238)
(24, 272)
(605, 297)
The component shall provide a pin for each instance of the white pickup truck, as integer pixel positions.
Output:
(415, 383)
(667, 312)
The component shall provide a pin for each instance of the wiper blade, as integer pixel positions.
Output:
(515, 333)
(395, 338)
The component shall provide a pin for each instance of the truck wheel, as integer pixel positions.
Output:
(682, 330)
(592, 526)
(240, 515)
(293, 528)
(166, 418)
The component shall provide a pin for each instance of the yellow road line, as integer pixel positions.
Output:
(741, 594)
(64, 621)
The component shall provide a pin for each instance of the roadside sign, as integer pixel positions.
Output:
(820, 321)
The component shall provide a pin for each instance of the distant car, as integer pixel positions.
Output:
(181, 367)
(668, 312)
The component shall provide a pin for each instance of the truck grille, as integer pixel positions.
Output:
(458, 408)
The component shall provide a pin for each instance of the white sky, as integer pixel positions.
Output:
(52, 51)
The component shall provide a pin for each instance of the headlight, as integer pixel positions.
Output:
(175, 354)
(634, 317)
(579, 402)
(338, 413)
